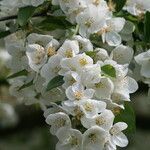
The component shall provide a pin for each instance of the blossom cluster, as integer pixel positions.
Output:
(80, 86)
(94, 17)
(92, 96)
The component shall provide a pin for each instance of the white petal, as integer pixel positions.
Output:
(113, 38)
(104, 88)
(145, 70)
(122, 54)
(120, 140)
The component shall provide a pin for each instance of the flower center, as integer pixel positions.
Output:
(69, 53)
(59, 122)
(93, 138)
(114, 131)
(96, 2)
(78, 95)
(51, 51)
(73, 141)
(88, 107)
(83, 62)
(100, 121)
(89, 22)
(99, 85)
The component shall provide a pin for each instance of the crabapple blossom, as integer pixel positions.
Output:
(82, 77)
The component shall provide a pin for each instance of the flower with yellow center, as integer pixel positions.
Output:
(94, 138)
(83, 61)
(78, 92)
(69, 53)
(58, 121)
(78, 95)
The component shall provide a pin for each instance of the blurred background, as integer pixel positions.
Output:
(24, 128)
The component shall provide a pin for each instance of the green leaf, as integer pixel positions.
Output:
(25, 14)
(119, 4)
(55, 82)
(26, 85)
(92, 54)
(54, 22)
(109, 70)
(128, 116)
(4, 34)
(147, 27)
(18, 74)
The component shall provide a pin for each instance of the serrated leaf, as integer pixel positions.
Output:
(109, 70)
(54, 22)
(26, 85)
(3, 34)
(55, 82)
(147, 27)
(18, 74)
(128, 116)
(25, 14)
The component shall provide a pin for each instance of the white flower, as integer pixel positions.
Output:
(104, 88)
(125, 86)
(37, 56)
(122, 54)
(51, 68)
(82, 60)
(92, 107)
(40, 39)
(67, 65)
(69, 49)
(78, 92)
(95, 138)
(51, 47)
(91, 75)
(74, 8)
(110, 31)
(84, 109)
(91, 20)
(69, 139)
(75, 64)
(102, 54)
(143, 59)
(137, 7)
(117, 136)
(105, 120)
(70, 78)
(57, 121)
(84, 43)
